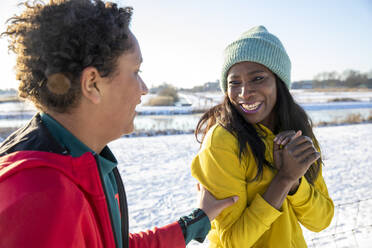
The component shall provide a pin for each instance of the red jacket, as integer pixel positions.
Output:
(53, 200)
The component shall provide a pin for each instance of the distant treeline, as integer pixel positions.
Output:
(207, 87)
(10, 92)
(346, 79)
(8, 95)
(333, 79)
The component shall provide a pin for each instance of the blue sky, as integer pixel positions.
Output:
(182, 41)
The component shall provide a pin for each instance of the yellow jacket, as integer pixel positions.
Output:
(251, 221)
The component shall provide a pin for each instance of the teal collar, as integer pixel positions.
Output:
(75, 147)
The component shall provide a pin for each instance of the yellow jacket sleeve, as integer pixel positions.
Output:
(312, 204)
(218, 168)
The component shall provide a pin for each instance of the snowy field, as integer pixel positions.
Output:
(209, 99)
(160, 188)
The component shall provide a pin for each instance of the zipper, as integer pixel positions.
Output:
(108, 206)
(123, 208)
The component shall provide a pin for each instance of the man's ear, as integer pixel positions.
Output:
(90, 84)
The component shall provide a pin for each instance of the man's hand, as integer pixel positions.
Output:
(210, 205)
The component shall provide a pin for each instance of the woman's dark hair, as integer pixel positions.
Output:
(56, 41)
(289, 116)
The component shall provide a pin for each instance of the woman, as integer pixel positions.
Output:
(259, 144)
(78, 62)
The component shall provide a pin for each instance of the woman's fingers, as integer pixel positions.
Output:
(289, 139)
(298, 134)
(301, 155)
(302, 148)
(298, 142)
(285, 137)
(280, 141)
(297, 156)
(282, 135)
(310, 159)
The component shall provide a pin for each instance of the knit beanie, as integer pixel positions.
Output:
(259, 46)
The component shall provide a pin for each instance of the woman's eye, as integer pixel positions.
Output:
(234, 82)
(257, 79)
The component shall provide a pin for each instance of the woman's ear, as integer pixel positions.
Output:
(90, 84)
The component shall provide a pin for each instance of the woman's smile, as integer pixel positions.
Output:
(251, 108)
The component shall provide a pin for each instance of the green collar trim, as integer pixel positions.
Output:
(75, 147)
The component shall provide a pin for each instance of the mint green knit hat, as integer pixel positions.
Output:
(259, 46)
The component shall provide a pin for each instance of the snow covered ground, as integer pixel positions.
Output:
(306, 96)
(302, 96)
(160, 188)
(310, 100)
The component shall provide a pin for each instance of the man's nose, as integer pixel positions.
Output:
(144, 88)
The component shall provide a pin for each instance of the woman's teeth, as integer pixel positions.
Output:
(251, 107)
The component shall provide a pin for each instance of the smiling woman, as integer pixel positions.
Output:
(259, 144)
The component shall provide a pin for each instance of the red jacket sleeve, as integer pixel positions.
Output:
(163, 237)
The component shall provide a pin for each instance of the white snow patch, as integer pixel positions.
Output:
(160, 188)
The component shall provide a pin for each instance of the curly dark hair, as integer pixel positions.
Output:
(289, 116)
(56, 41)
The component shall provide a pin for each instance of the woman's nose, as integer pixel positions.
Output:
(246, 90)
